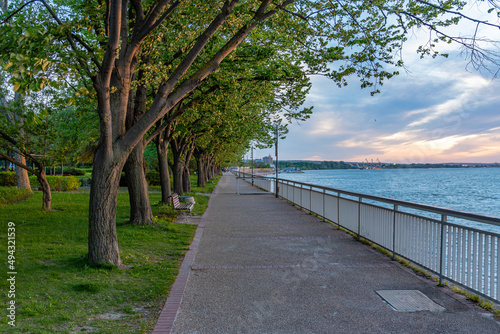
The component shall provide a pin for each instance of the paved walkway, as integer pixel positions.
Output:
(260, 265)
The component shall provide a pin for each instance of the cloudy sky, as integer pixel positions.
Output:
(439, 112)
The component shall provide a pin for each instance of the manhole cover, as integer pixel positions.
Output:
(409, 300)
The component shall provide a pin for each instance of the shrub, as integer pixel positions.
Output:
(153, 178)
(74, 171)
(58, 183)
(8, 179)
(10, 195)
(86, 182)
(69, 171)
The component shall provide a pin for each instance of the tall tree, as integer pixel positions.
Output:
(13, 118)
(21, 173)
(11, 143)
(106, 38)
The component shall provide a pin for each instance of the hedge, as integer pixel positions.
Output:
(58, 183)
(69, 171)
(8, 179)
(74, 171)
(10, 195)
(153, 178)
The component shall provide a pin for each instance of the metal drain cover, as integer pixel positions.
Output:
(409, 300)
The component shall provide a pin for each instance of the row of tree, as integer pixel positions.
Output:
(198, 78)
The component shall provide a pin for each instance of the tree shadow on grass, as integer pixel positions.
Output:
(82, 262)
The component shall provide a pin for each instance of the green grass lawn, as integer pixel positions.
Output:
(57, 291)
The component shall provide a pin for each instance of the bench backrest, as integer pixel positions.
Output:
(175, 200)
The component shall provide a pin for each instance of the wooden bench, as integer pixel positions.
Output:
(179, 206)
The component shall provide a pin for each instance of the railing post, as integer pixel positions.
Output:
(359, 216)
(324, 211)
(301, 196)
(396, 207)
(310, 199)
(338, 210)
(237, 186)
(444, 219)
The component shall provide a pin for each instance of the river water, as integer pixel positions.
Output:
(465, 189)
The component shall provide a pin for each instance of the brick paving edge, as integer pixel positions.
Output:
(166, 319)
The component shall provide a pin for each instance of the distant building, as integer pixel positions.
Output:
(268, 160)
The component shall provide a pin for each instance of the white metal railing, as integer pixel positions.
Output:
(260, 182)
(456, 252)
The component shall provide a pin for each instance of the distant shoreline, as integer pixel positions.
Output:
(267, 171)
(318, 165)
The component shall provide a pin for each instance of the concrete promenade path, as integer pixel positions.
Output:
(260, 265)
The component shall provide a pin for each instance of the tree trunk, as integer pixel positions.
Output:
(202, 181)
(162, 150)
(178, 171)
(186, 179)
(140, 207)
(209, 169)
(103, 242)
(23, 180)
(40, 174)
(45, 187)
(179, 147)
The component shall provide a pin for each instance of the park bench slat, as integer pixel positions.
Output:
(178, 206)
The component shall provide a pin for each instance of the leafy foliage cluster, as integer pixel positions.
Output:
(8, 179)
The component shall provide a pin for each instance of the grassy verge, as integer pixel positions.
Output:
(485, 304)
(57, 291)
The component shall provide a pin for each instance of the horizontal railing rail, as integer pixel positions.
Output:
(465, 255)
(418, 206)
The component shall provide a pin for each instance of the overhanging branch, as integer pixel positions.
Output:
(17, 163)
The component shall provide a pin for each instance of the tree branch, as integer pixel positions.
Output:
(478, 55)
(17, 163)
(18, 10)
(137, 5)
(459, 13)
(114, 37)
(11, 140)
(166, 98)
(153, 22)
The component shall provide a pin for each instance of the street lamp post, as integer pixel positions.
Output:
(252, 164)
(277, 164)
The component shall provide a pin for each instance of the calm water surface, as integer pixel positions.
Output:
(466, 189)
